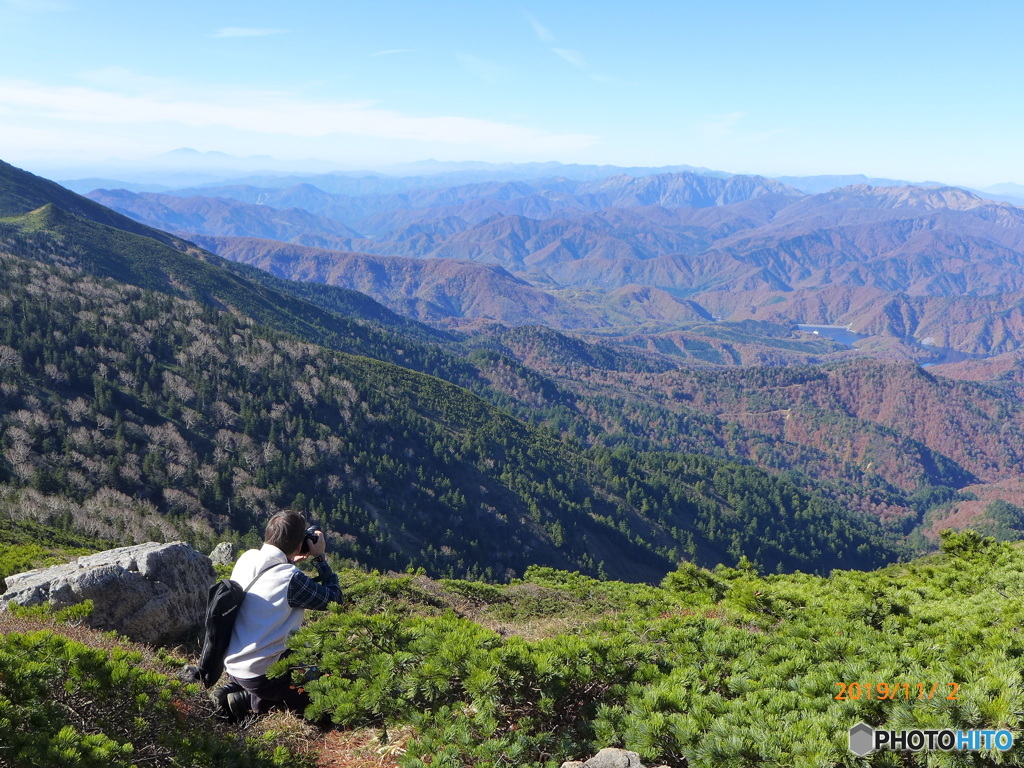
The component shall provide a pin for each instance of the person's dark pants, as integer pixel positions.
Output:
(265, 693)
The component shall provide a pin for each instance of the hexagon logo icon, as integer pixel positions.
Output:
(862, 739)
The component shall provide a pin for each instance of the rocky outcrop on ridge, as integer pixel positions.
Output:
(151, 593)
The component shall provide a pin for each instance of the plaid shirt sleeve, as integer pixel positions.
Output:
(304, 592)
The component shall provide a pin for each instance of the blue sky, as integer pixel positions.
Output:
(902, 89)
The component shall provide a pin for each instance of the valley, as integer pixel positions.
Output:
(639, 256)
(159, 387)
(485, 416)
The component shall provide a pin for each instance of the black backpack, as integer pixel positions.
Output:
(222, 606)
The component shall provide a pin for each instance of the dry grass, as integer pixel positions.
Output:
(290, 730)
(572, 616)
(536, 628)
(361, 749)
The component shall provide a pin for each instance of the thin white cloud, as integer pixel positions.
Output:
(49, 142)
(573, 57)
(391, 52)
(246, 32)
(125, 80)
(542, 32)
(267, 113)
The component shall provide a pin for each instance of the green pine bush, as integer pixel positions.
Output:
(715, 668)
(66, 703)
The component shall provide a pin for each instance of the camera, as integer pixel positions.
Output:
(311, 537)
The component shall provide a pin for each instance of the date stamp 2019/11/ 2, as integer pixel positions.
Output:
(891, 692)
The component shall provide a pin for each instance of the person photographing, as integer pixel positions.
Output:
(271, 612)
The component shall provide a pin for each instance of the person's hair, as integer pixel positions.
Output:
(286, 531)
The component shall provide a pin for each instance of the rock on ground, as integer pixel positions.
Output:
(152, 593)
(609, 758)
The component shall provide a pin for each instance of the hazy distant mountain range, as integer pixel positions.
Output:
(211, 169)
(182, 168)
(938, 265)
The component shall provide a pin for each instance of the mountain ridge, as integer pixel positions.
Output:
(768, 243)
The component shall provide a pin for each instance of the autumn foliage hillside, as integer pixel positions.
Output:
(150, 389)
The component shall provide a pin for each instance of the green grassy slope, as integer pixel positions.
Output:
(22, 192)
(73, 697)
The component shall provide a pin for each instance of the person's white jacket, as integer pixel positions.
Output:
(265, 620)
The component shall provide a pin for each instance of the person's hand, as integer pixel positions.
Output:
(318, 547)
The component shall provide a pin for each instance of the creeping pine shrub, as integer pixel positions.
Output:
(72, 614)
(475, 697)
(18, 558)
(699, 584)
(475, 591)
(966, 544)
(717, 669)
(63, 703)
(373, 592)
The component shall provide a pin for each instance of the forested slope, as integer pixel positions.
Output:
(147, 381)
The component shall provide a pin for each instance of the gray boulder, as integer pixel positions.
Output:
(610, 758)
(614, 758)
(223, 554)
(152, 593)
